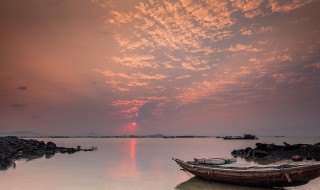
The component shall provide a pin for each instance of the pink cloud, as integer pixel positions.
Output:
(249, 8)
(316, 65)
(110, 73)
(136, 83)
(124, 82)
(289, 77)
(286, 6)
(130, 108)
(149, 77)
(140, 61)
(183, 77)
(245, 31)
(116, 85)
(242, 47)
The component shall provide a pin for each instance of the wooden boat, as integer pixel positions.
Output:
(263, 176)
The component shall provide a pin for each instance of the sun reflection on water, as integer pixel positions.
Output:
(133, 143)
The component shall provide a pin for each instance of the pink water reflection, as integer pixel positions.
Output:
(133, 143)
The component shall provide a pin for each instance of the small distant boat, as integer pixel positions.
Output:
(245, 137)
(263, 176)
(169, 137)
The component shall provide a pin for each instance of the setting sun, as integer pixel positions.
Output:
(133, 125)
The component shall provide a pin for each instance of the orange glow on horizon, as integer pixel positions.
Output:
(133, 126)
(130, 128)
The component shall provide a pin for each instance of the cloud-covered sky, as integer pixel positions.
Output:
(150, 66)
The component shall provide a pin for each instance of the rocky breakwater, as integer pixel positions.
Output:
(272, 152)
(14, 148)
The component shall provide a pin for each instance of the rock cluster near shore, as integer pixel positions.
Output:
(14, 148)
(280, 152)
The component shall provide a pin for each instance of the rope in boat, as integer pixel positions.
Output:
(186, 172)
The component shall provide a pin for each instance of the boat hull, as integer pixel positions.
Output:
(252, 177)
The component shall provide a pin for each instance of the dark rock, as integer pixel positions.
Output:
(42, 144)
(50, 152)
(308, 158)
(279, 152)
(235, 152)
(247, 149)
(249, 153)
(47, 156)
(268, 147)
(51, 145)
(13, 148)
(291, 147)
(260, 153)
(276, 147)
(287, 144)
(262, 146)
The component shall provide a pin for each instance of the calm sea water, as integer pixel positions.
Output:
(128, 164)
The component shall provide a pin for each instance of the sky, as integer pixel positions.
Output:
(176, 67)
